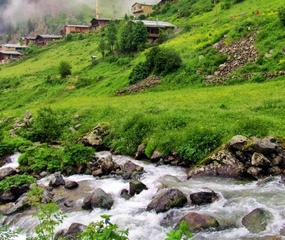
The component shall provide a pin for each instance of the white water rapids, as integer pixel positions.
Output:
(237, 198)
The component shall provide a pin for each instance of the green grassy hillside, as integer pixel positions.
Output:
(182, 110)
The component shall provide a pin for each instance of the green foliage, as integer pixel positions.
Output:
(64, 69)
(16, 180)
(8, 234)
(48, 215)
(47, 126)
(181, 233)
(74, 155)
(160, 61)
(210, 61)
(41, 158)
(226, 4)
(8, 146)
(52, 159)
(281, 15)
(199, 143)
(139, 72)
(103, 230)
(111, 36)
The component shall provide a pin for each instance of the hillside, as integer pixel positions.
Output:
(184, 106)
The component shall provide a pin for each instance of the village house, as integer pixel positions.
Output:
(139, 9)
(69, 28)
(97, 23)
(153, 28)
(43, 40)
(30, 40)
(11, 52)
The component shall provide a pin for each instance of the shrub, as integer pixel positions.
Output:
(281, 15)
(163, 61)
(75, 154)
(199, 143)
(41, 158)
(47, 127)
(16, 180)
(139, 72)
(64, 69)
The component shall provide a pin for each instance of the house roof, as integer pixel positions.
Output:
(159, 24)
(10, 45)
(103, 19)
(73, 25)
(11, 52)
(143, 4)
(31, 38)
(49, 36)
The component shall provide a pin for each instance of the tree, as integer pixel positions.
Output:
(111, 35)
(46, 127)
(126, 38)
(64, 69)
(139, 36)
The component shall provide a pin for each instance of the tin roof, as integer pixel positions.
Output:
(10, 45)
(74, 25)
(160, 24)
(11, 52)
(49, 36)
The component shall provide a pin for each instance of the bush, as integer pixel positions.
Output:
(16, 180)
(47, 127)
(281, 15)
(139, 72)
(163, 60)
(41, 158)
(64, 69)
(199, 143)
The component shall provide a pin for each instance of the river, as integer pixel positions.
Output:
(236, 199)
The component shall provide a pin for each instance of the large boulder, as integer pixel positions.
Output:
(259, 160)
(197, 222)
(71, 233)
(71, 184)
(257, 220)
(238, 142)
(21, 204)
(136, 187)
(223, 164)
(57, 180)
(13, 193)
(200, 198)
(98, 199)
(129, 168)
(5, 172)
(140, 154)
(167, 199)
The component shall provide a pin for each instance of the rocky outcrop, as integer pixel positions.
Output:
(167, 199)
(244, 157)
(95, 137)
(140, 86)
(201, 198)
(57, 180)
(197, 222)
(238, 54)
(257, 220)
(98, 199)
(13, 193)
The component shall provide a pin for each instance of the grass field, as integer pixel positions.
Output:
(166, 116)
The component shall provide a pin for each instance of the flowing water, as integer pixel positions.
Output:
(236, 199)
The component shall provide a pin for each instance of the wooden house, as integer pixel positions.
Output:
(97, 23)
(11, 52)
(141, 9)
(153, 28)
(42, 40)
(30, 40)
(69, 28)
